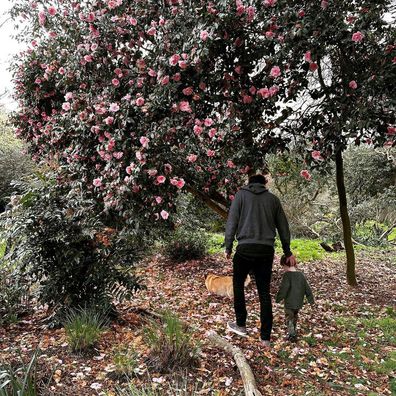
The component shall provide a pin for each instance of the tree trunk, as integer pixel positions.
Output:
(346, 223)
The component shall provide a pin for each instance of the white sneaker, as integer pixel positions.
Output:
(232, 326)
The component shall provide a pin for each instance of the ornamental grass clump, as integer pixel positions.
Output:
(172, 345)
(83, 327)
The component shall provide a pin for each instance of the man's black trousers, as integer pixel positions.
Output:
(261, 268)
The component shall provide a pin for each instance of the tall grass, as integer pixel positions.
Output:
(172, 345)
(83, 327)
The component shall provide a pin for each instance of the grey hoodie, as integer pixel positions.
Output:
(254, 217)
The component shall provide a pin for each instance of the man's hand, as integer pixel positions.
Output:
(291, 261)
(227, 255)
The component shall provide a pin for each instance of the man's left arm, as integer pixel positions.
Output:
(282, 226)
(232, 224)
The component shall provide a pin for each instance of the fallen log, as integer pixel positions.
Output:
(249, 382)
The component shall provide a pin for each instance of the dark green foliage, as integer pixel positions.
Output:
(57, 240)
(368, 173)
(193, 214)
(21, 381)
(183, 245)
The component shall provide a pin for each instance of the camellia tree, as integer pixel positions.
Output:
(136, 101)
(348, 52)
(139, 100)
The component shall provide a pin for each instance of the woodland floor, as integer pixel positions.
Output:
(347, 343)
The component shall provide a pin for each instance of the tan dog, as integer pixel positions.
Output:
(222, 285)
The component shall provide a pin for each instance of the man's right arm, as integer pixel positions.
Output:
(232, 223)
(282, 226)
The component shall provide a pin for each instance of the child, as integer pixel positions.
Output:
(293, 289)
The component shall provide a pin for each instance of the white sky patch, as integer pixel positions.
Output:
(8, 48)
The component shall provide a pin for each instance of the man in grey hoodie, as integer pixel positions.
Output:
(254, 217)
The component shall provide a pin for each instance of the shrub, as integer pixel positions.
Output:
(172, 345)
(84, 327)
(21, 381)
(183, 245)
(60, 241)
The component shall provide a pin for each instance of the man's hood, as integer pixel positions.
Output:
(255, 188)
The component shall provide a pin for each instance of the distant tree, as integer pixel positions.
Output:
(341, 56)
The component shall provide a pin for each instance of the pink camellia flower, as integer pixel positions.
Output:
(238, 70)
(183, 64)
(173, 182)
(313, 66)
(115, 82)
(174, 59)
(139, 101)
(152, 172)
(208, 122)
(165, 80)
(353, 84)
(185, 106)
(118, 154)
(269, 34)
(301, 13)
(391, 130)
(270, 3)
(164, 214)
(307, 56)
(144, 141)
(52, 10)
(210, 153)
(180, 183)
(188, 91)
(176, 77)
(324, 4)
(316, 155)
(152, 31)
(42, 18)
(69, 96)
(97, 182)
(114, 107)
(109, 121)
(357, 37)
(158, 199)
(204, 35)
(252, 90)
(275, 72)
(247, 99)
(230, 164)
(161, 179)
(152, 73)
(118, 72)
(264, 92)
(132, 21)
(197, 130)
(212, 132)
(273, 90)
(66, 106)
(192, 158)
(168, 168)
(305, 174)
